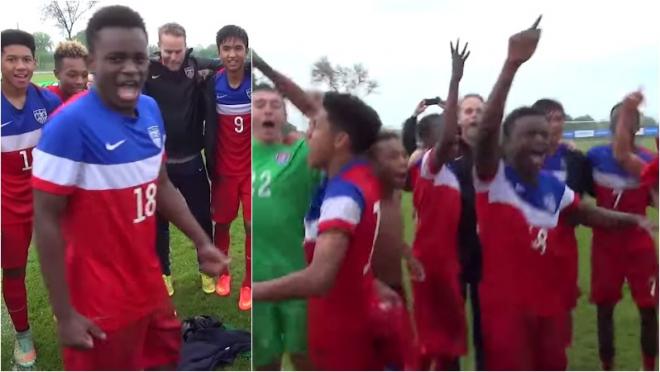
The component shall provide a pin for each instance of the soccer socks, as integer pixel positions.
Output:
(15, 295)
(247, 280)
(649, 362)
(221, 240)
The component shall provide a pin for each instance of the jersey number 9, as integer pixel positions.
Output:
(238, 124)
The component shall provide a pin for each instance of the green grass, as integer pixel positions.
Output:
(189, 300)
(43, 77)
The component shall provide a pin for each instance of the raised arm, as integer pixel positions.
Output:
(624, 135)
(443, 147)
(286, 86)
(487, 153)
(409, 131)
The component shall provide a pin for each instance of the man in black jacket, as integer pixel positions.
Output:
(175, 82)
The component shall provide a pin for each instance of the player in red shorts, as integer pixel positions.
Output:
(25, 109)
(99, 177)
(342, 228)
(70, 69)
(525, 215)
(228, 145)
(439, 304)
(626, 255)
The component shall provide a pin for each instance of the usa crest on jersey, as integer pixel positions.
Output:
(282, 158)
(248, 91)
(154, 133)
(189, 71)
(40, 115)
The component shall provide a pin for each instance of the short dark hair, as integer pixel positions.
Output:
(172, 28)
(69, 49)
(231, 31)
(112, 16)
(427, 123)
(383, 135)
(547, 105)
(614, 119)
(264, 87)
(350, 114)
(17, 37)
(520, 112)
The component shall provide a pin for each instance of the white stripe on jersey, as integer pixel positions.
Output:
(443, 178)
(614, 181)
(559, 174)
(342, 208)
(500, 190)
(65, 172)
(240, 109)
(311, 230)
(21, 141)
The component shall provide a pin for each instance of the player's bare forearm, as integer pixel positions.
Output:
(172, 206)
(450, 129)
(287, 87)
(315, 280)
(623, 140)
(48, 210)
(593, 216)
(487, 149)
(408, 135)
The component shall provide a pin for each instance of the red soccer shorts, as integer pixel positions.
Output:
(393, 334)
(15, 243)
(150, 342)
(226, 194)
(440, 314)
(634, 260)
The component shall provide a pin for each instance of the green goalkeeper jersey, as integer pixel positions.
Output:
(282, 188)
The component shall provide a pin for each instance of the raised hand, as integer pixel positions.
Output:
(421, 107)
(633, 100)
(523, 44)
(458, 59)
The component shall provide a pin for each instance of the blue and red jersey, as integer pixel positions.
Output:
(234, 142)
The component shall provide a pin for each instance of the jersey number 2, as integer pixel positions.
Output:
(146, 202)
(263, 191)
(373, 244)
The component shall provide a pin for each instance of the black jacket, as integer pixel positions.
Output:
(179, 95)
(211, 119)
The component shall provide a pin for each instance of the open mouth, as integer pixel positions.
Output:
(128, 90)
(21, 77)
(269, 124)
(537, 157)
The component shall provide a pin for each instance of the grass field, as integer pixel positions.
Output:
(189, 299)
(583, 355)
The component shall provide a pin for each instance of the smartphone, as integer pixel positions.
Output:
(432, 101)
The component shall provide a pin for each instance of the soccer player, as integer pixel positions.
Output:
(342, 228)
(228, 145)
(411, 131)
(282, 182)
(99, 179)
(439, 304)
(623, 255)
(520, 298)
(25, 109)
(70, 69)
(174, 83)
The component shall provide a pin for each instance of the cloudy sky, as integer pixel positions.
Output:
(590, 55)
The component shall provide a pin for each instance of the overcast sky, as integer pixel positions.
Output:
(590, 55)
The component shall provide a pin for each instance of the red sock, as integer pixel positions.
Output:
(649, 362)
(607, 364)
(221, 240)
(247, 280)
(15, 295)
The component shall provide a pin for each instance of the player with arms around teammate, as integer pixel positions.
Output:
(341, 227)
(70, 69)
(25, 109)
(282, 182)
(228, 143)
(623, 255)
(174, 83)
(99, 179)
(520, 297)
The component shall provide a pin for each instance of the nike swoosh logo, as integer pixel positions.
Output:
(222, 96)
(7, 123)
(111, 147)
(155, 76)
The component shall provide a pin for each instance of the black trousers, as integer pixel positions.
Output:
(477, 338)
(191, 180)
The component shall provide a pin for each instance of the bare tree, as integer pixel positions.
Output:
(66, 13)
(338, 78)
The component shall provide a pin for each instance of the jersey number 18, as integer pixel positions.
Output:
(146, 202)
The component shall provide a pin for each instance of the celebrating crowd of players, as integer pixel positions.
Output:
(100, 178)
(497, 201)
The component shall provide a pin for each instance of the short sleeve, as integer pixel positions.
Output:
(342, 207)
(58, 156)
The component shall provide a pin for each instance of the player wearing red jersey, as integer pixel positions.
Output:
(25, 109)
(228, 145)
(70, 69)
(99, 179)
(519, 296)
(341, 228)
